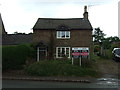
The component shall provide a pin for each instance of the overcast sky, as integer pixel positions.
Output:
(21, 15)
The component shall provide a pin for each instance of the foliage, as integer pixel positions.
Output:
(18, 33)
(109, 54)
(94, 57)
(58, 68)
(96, 48)
(13, 57)
(98, 36)
(102, 45)
(107, 42)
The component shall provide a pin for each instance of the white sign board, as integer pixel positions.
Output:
(80, 48)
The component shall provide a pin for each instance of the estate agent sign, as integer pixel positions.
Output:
(80, 52)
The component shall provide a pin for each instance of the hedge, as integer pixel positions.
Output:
(14, 57)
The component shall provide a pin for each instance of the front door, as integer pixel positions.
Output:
(41, 51)
(42, 55)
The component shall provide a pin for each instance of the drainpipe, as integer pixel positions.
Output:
(38, 54)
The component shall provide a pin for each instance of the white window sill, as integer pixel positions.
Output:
(63, 38)
(62, 57)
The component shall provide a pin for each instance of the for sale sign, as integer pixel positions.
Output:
(84, 53)
(80, 52)
(76, 53)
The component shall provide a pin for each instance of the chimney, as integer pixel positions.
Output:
(85, 15)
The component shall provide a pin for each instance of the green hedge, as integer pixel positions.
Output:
(58, 68)
(13, 57)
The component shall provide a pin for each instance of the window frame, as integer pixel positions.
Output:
(59, 34)
(65, 48)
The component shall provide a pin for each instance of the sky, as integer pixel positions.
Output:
(21, 15)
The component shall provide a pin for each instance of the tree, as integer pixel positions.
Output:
(15, 32)
(107, 42)
(114, 39)
(98, 36)
(18, 33)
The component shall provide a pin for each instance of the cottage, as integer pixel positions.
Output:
(63, 37)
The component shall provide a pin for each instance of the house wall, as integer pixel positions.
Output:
(41, 35)
(78, 38)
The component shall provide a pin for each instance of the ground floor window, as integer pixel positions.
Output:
(62, 51)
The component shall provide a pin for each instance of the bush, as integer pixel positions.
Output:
(97, 48)
(94, 57)
(109, 54)
(13, 57)
(58, 68)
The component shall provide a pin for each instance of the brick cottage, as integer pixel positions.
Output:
(63, 37)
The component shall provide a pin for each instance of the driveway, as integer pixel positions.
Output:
(108, 68)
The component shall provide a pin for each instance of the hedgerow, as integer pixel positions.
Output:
(14, 57)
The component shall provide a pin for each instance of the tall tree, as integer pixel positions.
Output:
(104, 43)
(98, 36)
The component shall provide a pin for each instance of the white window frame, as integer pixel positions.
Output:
(60, 32)
(61, 51)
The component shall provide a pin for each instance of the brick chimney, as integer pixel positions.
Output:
(85, 15)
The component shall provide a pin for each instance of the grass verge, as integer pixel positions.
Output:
(58, 68)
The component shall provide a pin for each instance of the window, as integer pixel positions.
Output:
(63, 34)
(62, 51)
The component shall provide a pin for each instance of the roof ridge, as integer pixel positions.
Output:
(60, 18)
(52, 23)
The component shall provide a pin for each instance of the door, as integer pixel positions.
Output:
(42, 55)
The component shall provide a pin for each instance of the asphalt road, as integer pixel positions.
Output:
(44, 84)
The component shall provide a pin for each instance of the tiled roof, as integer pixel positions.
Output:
(14, 39)
(54, 23)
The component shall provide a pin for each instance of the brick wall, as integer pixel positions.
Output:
(78, 38)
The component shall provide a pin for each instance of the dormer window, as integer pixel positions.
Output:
(63, 34)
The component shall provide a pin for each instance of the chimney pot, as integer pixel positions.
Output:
(85, 15)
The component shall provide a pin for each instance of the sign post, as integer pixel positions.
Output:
(80, 61)
(76, 54)
(72, 61)
(80, 52)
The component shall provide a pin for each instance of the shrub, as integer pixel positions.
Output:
(13, 57)
(97, 48)
(58, 68)
(94, 57)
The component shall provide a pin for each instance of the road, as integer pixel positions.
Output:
(100, 83)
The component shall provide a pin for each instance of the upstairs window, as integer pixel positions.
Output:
(63, 34)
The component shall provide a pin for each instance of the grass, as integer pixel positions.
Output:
(58, 68)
